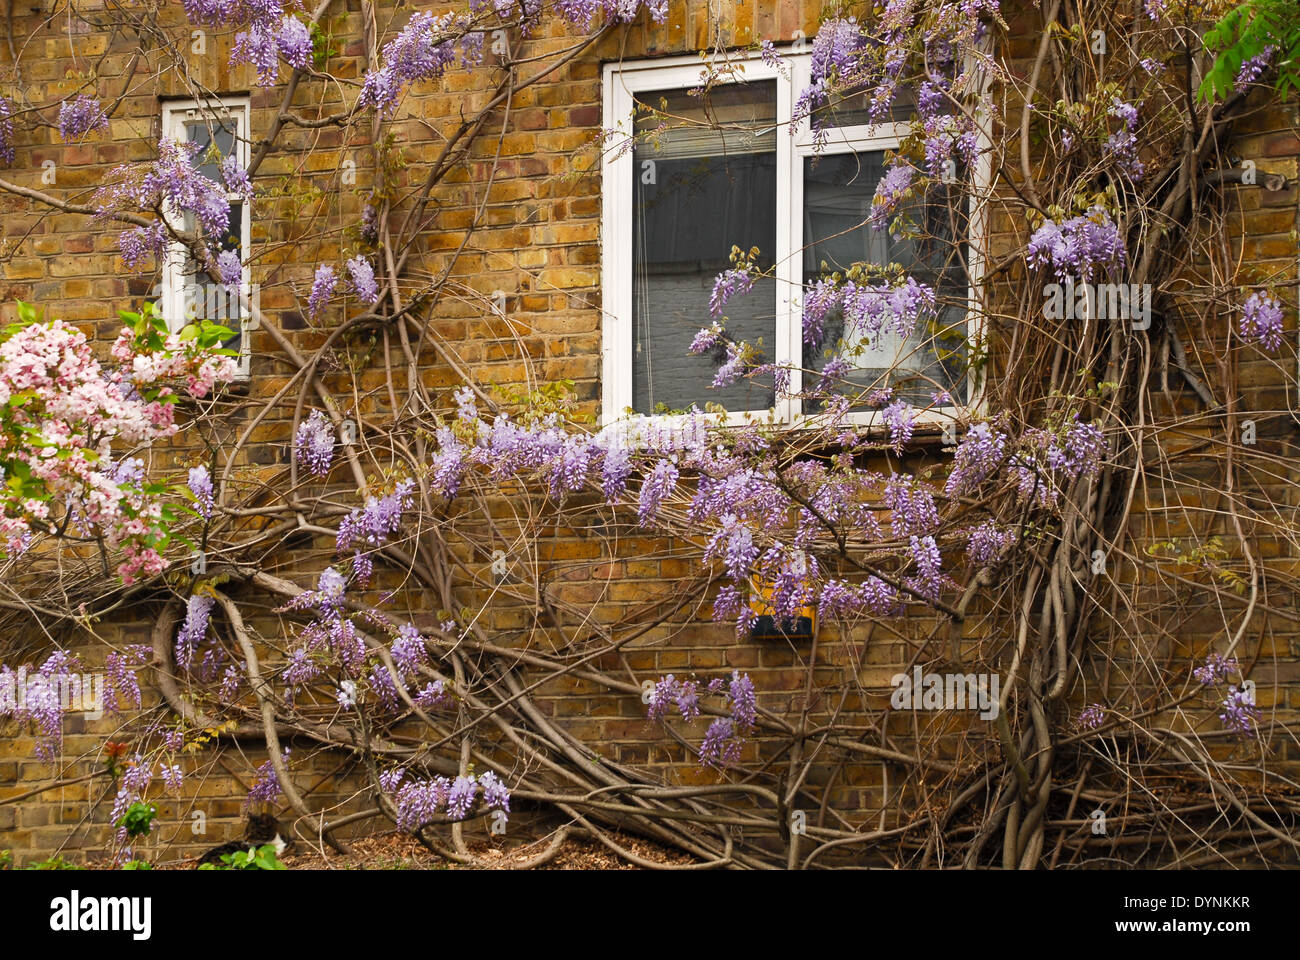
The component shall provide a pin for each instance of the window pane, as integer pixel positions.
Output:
(705, 180)
(207, 299)
(852, 108)
(838, 190)
(203, 132)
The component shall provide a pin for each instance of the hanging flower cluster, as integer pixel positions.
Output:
(420, 802)
(175, 184)
(726, 735)
(269, 34)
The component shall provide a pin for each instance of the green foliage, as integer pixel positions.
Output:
(136, 865)
(322, 44)
(1210, 557)
(557, 396)
(54, 863)
(1243, 33)
(6, 860)
(261, 858)
(138, 818)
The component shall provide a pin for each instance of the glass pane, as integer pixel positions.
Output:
(207, 299)
(852, 108)
(838, 190)
(703, 181)
(202, 132)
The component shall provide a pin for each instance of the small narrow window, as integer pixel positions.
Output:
(218, 129)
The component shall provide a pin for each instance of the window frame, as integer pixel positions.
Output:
(175, 115)
(622, 81)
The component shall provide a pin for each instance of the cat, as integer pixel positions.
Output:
(262, 829)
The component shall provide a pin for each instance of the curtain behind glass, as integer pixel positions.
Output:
(703, 181)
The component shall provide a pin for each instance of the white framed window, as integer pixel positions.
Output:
(726, 171)
(221, 129)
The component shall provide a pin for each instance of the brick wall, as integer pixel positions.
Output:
(534, 195)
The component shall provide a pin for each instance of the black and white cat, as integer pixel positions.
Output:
(262, 829)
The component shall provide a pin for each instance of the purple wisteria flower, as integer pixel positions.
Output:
(80, 117)
(900, 417)
(732, 368)
(362, 276)
(869, 310)
(1216, 670)
(743, 698)
(418, 802)
(173, 776)
(1080, 247)
(890, 192)
(1127, 112)
(230, 272)
(200, 483)
(6, 132)
(911, 505)
(721, 746)
(379, 519)
(434, 695)
(770, 56)
(1090, 717)
(415, 54)
(266, 784)
(929, 580)
(408, 650)
(269, 34)
(1240, 715)
(135, 782)
(391, 779)
(129, 471)
(171, 182)
(723, 740)
(662, 696)
(235, 177)
(1081, 451)
(313, 445)
(231, 681)
(978, 455)
(1252, 69)
(1123, 148)
(987, 543)
(370, 223)
(460, 797)
(948, 137)
(322, 288)
(658, 484)
(140, 243)
(729, 284)
(198, 610)
(299, 669)
(838, 58)
(41, 703)
(385, 689)
(294, 43)
(1261, 321)
(496, 796)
